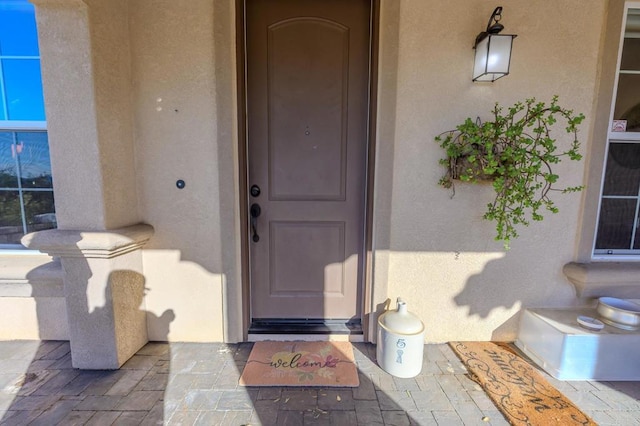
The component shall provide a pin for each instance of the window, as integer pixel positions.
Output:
(26, 189)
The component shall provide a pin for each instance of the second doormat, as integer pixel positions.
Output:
(327, 364)
(520, 392)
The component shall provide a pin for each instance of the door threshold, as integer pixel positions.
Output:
(354, 338)
(309, 330)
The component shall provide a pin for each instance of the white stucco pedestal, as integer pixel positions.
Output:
(104, 291)
(555, 341)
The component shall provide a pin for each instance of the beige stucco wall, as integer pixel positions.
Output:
(183, 86)
(174, 103)
(132, 92)
(437, 251)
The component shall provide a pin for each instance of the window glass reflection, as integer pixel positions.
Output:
(11, 229)
(622, 175)
(630, 55)
(26, 189)
(23, 89)
(627, 106)
(39, 210)
(34, 162)
(616, 224)
(25, 156)
(627, 101)
(18, 36)
(8, 169)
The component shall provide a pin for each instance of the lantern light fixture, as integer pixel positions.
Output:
(492, 50)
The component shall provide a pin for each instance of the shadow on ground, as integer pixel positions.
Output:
(197, 384)
(191, 383)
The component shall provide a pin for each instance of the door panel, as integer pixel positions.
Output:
(313, 250)
(307, 115)
(308, 57)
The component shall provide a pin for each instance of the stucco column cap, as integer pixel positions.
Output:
(92, 244)
(597, 279)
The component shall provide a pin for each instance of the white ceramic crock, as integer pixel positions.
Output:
(400, 342)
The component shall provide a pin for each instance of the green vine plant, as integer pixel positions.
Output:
(517, 152)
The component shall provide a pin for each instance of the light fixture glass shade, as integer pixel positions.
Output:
(492, 57)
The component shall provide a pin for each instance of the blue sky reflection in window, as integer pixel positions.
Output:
(20, 82)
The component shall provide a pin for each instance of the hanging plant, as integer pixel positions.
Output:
(516, 150)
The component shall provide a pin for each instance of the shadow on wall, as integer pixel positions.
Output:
(193, 292)
(491, 289)
(48, 389)
(46, 282)
(40, 381)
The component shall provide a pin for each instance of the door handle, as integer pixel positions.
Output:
(254, 212)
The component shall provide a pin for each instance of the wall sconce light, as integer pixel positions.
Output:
(492, 50)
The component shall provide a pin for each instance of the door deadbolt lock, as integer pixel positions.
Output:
(255, 190)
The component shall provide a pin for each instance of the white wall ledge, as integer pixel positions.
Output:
(89, 244)
(30, 276)
(614, 279)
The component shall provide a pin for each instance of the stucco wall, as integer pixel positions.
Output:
(437, 251)
(86, 76)
(184, 131)
(178, 89)
(139, 95)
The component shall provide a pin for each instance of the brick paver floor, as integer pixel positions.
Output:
(197, 384)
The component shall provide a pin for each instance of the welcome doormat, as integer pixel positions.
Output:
(326, 364)
(520, 392)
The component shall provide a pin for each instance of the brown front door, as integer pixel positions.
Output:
(307, 119)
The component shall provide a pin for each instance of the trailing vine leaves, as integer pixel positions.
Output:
(517, 151)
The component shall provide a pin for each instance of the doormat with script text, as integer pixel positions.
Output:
(520, 392)
(326, 364)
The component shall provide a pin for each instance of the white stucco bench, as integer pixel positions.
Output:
(555, 341)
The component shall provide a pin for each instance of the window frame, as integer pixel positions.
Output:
(617, 255)
(14, 126)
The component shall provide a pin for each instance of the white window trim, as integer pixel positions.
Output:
(17, 249)
(17, 126)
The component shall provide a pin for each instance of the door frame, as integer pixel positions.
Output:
(366, 301)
